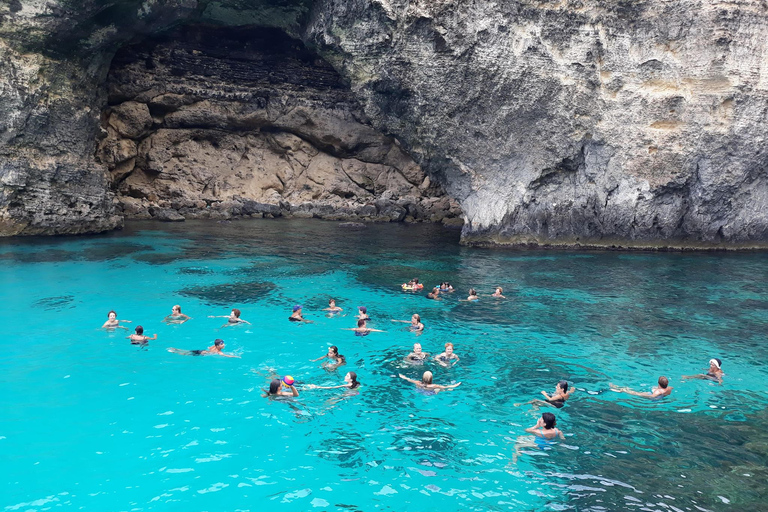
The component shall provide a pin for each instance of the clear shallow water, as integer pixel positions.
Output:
(89, 421)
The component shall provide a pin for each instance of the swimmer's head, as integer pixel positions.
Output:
(415, 280)
(549, 420)
(449, 348)
(715, 362)
(363, 309)
(139, 330)
(663, 382)
(236, 313)
(112, 315)
(333, 350)
(416, 318)
(361, 322)
(427, 377)
(176, 309)
(472, 291)
(351, 378)
(331, 302)
(435, 290)
(296, 308)
(274, 386)
(218, 343)
(499, 290)
(417, 348)
(563, 384)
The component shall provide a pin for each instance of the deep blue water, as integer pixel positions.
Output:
(91, 422)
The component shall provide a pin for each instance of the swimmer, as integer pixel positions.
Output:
(434, 294)
(446, 357)
(334, 358)
(232, 319)
(546, 427)
(417, 356)
(426, 383)
(413, 284)
(715, 373)
(659, 392)
(498, 293)
(361, 329)
(472, 296)
(544, 433)
(176, 316)
(332, 307)
(139, 338)
(276, 389)
(350, 381)
(415, 321)
(557, 399)
(446, 287)
(363, 313)
(296, 315)
(213, 350)
(113, 323)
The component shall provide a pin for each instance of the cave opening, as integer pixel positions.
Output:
(218, 122)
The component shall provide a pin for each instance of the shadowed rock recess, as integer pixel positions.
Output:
(576, 123)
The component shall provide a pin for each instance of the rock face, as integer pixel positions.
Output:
(583, 122)
(213, 123)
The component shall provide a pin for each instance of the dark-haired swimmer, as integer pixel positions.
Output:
(415, 321)
(426, 383)
(557, 399)
(445, 287)
(232, 319)
(139, 338)
(663, 390)
(361, 329)
(363, 313)
(176, 316)
(332, 307)
(498, 293)
(113, 323)
(350, 381)
(546, 427)
(213, 350)
(276, 389)
(296, 315)
(715, 373)
(472, 296)
(446, 357)
(334, 358)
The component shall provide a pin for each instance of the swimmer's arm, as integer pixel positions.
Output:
(376, 330)
(534, 430)
(560, 433)
(402, 321)
(546, 395)
(294, 391)
(319, 358)
(412, 381)
(218, 316)
(125, 321)
(152, 338)
(240, 320)
(330, 387)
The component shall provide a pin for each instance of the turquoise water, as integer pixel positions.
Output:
(91, 422)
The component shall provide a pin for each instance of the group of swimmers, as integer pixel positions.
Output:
(544, 429)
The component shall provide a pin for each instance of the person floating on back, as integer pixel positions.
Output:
(557, 399)
(350, 381)
(715, 373)
(426, 383)
(138, 338)
(113, 323)
(232, 319)
(663, 390)
(213, 350)
(176, 316)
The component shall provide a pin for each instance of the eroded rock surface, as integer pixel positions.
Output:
(589, 122)
(213, 123)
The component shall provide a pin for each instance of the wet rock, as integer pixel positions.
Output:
(130, 119)
(352, 225)
(166, 215)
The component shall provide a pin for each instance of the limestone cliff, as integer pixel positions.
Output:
(592, 122)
